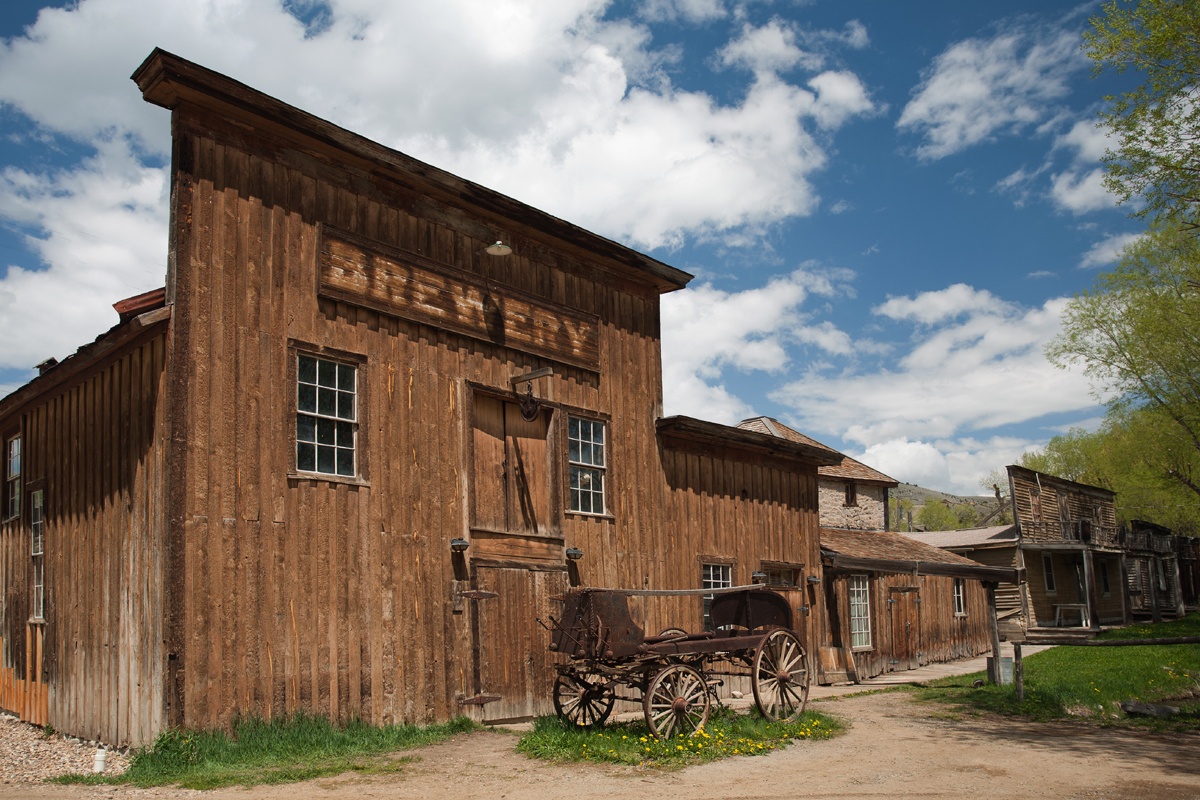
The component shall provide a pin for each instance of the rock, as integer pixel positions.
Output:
(1136, 708)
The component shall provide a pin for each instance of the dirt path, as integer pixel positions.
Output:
(894, 748)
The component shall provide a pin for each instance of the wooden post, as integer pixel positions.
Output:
(1152, 579)
(1090, 597)
(994, 629)
(1018, 673)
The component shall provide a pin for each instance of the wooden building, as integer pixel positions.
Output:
(378, 417)
(890, 603)
(1153, 574)
(896, 604)
(1072, 549)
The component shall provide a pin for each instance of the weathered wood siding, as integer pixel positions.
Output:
(335, 596)
(96, 449)
(1050, 510)
(750, 515)
(912, 623)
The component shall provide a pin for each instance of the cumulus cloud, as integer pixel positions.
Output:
(974, 362)
(1107, 250)
(982, 88)
(707, 331)
(102, 228)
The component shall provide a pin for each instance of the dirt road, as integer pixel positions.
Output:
(894, 748)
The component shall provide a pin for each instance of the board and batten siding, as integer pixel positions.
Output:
(292, 592)
(96, 447)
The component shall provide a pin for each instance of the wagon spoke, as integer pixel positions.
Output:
(779, 676)
(677, 699)
(583, 699)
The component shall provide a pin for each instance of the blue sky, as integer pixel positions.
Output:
(886, 205)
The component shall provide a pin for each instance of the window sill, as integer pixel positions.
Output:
(587, 515)
(960, 615)
(864, 649)
(36, 621)
(320, 477)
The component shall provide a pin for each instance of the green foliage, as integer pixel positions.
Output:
(1137, 336)
(1092, 682)
(258, 751)
(937, 517)
(1156, 126)
(901, 508)
(726, 734)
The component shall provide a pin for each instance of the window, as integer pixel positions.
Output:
(12, 473)
(714, 576)
(1048, 572)
(37, 550)
(780, 576)
(1105, 586)
(960, 599)
(585, 444)
(851, 494)
(326, 416)
(860, 613)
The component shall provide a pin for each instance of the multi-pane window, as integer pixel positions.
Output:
(1048, 572)
(326, 416)
(585, 445)
(860, 612)
(714, 576)
(960, 600)
(37, 548)
(12, 474)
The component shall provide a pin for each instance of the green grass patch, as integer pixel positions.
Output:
(258, 751)
(1092, 682)
(726, 734)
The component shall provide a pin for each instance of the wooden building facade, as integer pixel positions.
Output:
(896, 604)
(378, 418)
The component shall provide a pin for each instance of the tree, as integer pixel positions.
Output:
(1156, 127)
(1138, 335)
(937, 516)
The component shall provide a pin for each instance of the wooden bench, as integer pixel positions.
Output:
(1085, 620)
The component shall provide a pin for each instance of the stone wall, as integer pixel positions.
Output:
(869, 513)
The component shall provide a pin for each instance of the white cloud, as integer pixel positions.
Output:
(689, 10)
(1080, 191)
(769, 48)
(928, 308)
(1107, 250)
(975, 363)
(981, 88)
(707, 330)
(104, 226)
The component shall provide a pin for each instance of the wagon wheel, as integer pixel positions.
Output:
(671, 633)
(780, 676)
(583, 699)
(676, 701)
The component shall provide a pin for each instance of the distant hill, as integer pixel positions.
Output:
(969, 510)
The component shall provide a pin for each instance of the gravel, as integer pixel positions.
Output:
(29, 754)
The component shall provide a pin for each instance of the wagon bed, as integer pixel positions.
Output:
(675, 672)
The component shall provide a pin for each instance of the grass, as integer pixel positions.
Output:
(257, 751)
(726, 734)
(1092, 682)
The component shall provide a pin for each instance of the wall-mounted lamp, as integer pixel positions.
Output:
(758, 577)
(813, 579)
(574, 553)
(459, 545)
(530, 405)
(498, 249)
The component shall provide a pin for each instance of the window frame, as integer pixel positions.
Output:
(859, 597)
(707, 568)
(851, 499)
(37, 554)
(12, 478)
(1048, 573)
(960, 597)
(1105, 579)
(358, 362)
(774, 570)
(577, 466)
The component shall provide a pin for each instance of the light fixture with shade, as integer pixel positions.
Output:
(459, 545)
(574, 553)
(498, 249)
(758, 577)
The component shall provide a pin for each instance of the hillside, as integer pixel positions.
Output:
(966, 510)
